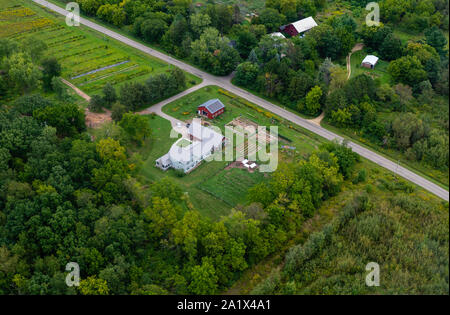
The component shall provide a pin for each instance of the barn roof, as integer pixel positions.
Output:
(304, 24)
(213, 106)
(371, 59)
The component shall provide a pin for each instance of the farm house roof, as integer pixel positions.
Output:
(213, 106)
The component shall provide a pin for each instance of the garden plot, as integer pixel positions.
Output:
(249, 133)
(231, 184)
(88, 59)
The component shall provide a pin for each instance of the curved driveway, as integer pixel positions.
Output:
(225, 83)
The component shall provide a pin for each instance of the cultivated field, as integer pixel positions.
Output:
(228, 184)
(89, 60)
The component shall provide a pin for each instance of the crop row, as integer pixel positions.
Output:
(14, 29)
(14, 13)
(102, 63)
(116, 79)
(91, 77)
(66, 41)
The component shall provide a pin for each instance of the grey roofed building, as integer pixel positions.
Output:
(164, 162)
(213, 106)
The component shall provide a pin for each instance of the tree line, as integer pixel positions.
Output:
(133, 96)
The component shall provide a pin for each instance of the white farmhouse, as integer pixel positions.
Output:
(186, 153)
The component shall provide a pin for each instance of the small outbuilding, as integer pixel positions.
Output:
(299, 27)
(211, 108)
(278, 34)
(369, 62)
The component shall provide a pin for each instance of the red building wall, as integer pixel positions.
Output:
(208, 113)
(290, 29)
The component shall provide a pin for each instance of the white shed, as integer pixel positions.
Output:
(369, 62)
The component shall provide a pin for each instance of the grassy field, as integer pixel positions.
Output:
(379, 72)
(89, 60)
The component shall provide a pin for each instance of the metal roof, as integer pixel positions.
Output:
(213, 106)
(370, 59)
(305, 24)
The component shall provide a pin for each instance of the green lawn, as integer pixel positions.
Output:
(80, 50)
(160, 145)
(379, 72)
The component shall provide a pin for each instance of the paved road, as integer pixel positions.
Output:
(224, 82)
(157, 108)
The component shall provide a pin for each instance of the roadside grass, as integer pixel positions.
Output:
(246, 6)
(81, 50)
(405, 37)
(274, 101)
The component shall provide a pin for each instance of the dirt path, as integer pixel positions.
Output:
(93, 120)
(356, 48)
(77, 90)
(318, 119)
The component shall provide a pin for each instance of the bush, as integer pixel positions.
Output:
(96, 103)
(180, 173)
(362, 176)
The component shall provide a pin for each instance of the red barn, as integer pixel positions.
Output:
(299, 27)
(211, 108)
